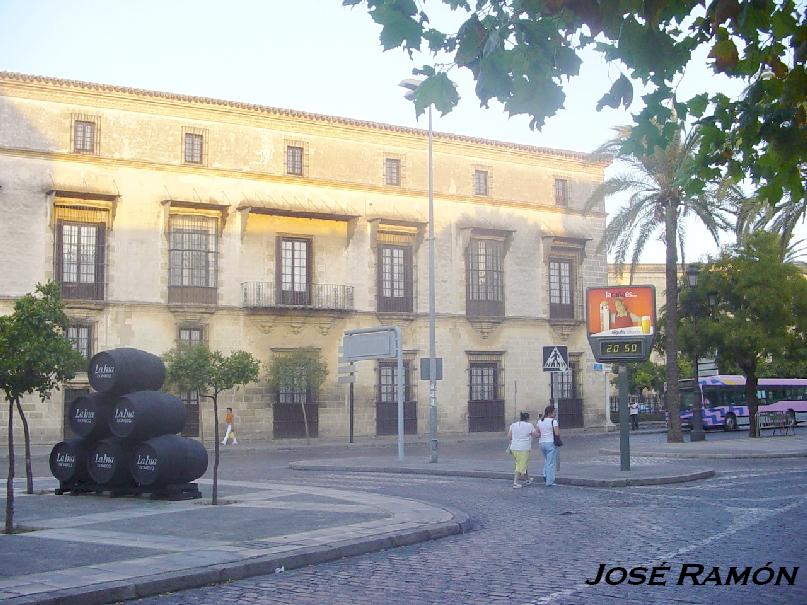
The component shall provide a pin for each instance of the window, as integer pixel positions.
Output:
(486, 393)
(294, 160)
(190, 336)
(192, 250)
(484, 381)
(395, 278)
(392, 171)
(80, 259)
(562, 193)
(561, 292)
(480, 182)
(563, 385)
(295, 271)
(388, 382)
(293, 391)
(485, 291)
(83, 136)
(194, 147)
(79, 336)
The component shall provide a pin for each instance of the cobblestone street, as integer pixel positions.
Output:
(539, 545)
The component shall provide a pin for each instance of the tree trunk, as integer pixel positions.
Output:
(29, 475)
(305, 422)
(671, 346)
(10, 479)
(751, 382)
(215, 498)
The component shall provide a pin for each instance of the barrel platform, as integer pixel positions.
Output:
(172, 491)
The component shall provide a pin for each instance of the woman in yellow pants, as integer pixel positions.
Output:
(520, 435)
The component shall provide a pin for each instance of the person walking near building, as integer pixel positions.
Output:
(520, 435)
(634, 415)
(548, 428)
(229, 419)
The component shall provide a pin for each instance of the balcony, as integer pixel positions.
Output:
(324, 297)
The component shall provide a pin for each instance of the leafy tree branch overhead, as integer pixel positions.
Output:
(522, 52)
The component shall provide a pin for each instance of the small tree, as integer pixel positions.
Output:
(299, 371)
(34, 356)
(761, 311)
(196, 368)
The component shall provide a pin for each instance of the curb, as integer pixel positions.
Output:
(577, 481)
(710, 455)
(110, 592)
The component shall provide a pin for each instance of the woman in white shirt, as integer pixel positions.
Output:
(548, 428)
(520, 435)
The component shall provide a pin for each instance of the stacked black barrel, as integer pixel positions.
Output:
(126, 433)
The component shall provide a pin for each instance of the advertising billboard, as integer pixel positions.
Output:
(621, 322)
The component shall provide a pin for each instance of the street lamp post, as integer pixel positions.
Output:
(697, 433)
(411, 85)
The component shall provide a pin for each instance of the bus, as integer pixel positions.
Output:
(724, 405)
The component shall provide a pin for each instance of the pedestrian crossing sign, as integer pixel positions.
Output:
(556, 358)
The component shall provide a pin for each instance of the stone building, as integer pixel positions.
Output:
(170, 219)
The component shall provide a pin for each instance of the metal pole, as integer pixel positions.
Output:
(432, 337)
(350, 394)
(697, 433)
(624, 428)
(400, 385)
(608, 423)
(347, 413)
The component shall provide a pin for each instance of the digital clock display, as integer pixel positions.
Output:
(625, 347)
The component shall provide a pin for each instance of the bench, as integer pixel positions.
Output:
(776, 421)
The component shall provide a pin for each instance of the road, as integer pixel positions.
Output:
(540, 545)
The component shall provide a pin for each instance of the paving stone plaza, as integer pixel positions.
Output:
(284, 535)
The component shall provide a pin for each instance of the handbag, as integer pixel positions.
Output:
(557, 440)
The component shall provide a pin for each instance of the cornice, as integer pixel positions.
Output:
(106, 162)
(216, 110)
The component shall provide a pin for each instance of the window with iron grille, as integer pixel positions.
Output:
(485, 277)
(83, 136)
(293, 392)
(395, 278)
(190, 336)
(480, 182)
(80, 337)
(564, 385)
(562, 192)
(388, 382)
(392, 171)
(295, 271)
(80, 259)
(192, 251)
(194, 148)
(561, 289)
(484, 381)
(294, 160)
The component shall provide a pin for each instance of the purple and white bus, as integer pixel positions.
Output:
(724, 404)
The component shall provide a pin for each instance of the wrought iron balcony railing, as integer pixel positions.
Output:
(265, 295)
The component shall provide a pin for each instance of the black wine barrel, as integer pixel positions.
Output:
(168, 459)
(68, 461)
(125, 370)
(145, 414)
(108, 462)
(89, 416)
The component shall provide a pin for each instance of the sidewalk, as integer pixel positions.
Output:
(95, 549)
(739, 447)
(604, 473)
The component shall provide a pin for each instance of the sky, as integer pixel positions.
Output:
(309, 55)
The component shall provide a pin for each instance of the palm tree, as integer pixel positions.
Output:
(658, 202)
(752, 214)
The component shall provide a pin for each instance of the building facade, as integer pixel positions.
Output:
(168, 219)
